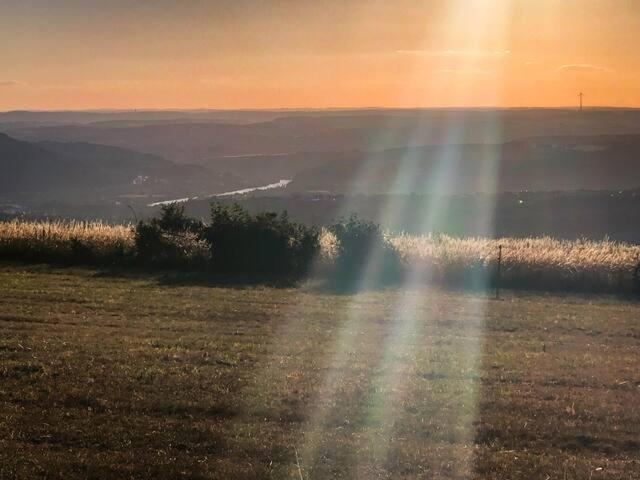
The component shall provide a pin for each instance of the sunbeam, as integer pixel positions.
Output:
(394, 369)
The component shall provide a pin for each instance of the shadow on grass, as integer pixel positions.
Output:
(162, 276)
(327, 283)
(194, 278)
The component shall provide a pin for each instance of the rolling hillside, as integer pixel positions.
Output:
(208, 137)
(537, 164)
(51, 169)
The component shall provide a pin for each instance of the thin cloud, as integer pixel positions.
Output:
(582, 67)
(10, 83)
(456, 53)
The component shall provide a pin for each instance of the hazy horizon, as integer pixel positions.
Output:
(314, 109)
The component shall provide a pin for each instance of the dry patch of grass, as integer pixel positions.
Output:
(74, 242)
(544, 263)
(108, 377)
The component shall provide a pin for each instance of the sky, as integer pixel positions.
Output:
(144, 54)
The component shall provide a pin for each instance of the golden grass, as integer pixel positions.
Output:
(57, 231)
(442, 251)
(534, 262)
(526, 262)
(62, 240)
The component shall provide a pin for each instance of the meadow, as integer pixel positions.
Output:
(528, 263)
(134, 376)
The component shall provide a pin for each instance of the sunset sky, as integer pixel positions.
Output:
(79, 54)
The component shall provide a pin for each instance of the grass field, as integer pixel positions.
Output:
(135, 377)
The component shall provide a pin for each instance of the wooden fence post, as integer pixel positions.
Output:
(499, 271)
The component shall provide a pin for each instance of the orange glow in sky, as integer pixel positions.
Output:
(76, 54)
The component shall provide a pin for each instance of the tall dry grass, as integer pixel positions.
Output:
(543, 263)
(66, 242)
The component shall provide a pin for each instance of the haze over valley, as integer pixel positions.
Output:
(104, 164)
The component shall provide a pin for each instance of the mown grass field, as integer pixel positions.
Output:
(133, 377)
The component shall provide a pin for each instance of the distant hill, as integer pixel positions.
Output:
(50, 168)
(561, 163)
(210, 137)
(575, 173)
(147, 157)
(27, 167)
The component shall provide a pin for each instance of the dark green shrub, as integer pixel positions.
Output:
(173, 240)
(364, 258)
(235, 242)
(174, 220)
(265, 244)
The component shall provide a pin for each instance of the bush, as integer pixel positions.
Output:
(235, 242)
(264, 244)
(173, 220)
(364, 256)
(173, 240)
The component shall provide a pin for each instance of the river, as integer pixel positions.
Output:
(243, 191)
